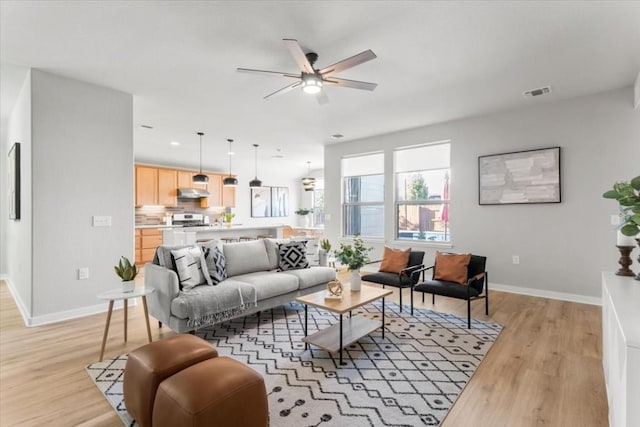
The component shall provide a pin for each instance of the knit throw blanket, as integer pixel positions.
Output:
(213, 304)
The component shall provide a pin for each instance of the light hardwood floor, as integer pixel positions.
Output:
(544, 370)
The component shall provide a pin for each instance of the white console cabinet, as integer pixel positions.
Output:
(621, 348)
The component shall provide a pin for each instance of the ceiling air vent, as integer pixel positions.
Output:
(537, 92)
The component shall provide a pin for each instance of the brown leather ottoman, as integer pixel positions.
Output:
(151, 364)
(217, 392)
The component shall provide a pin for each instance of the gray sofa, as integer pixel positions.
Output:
(253, 284)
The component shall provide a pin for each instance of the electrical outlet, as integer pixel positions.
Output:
(83, 273)
(515, 259)
(615, 219)
(327, 217)
(101, 221)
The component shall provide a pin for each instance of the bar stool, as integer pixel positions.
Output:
(247, 238)
(229, 239)
(262, 236)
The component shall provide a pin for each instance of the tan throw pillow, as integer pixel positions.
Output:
(394, 260)
(452, 267)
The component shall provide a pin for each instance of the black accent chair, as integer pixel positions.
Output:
(407, 277)
(477, 284)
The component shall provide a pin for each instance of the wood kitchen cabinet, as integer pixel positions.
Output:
(185, 180)
(215, 192)
(138, 239)
(229, 197)
(146, 244)
(146, 185)
(167, 187)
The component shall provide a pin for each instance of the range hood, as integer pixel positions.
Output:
(192, 193)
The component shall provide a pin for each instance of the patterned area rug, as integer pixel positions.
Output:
(410, 378)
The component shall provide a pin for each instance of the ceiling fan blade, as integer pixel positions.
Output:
(273, 73)
(283, 90)
(298, 55)
(354, 84)
(322, 98)
(358, 59)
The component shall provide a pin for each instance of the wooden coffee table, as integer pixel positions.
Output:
(336, 337)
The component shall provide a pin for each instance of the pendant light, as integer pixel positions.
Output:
(255, 182)
(200, 178)
(308, 182)
(230, 181)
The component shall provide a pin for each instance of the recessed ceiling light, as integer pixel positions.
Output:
(337, 136)
(174, 143)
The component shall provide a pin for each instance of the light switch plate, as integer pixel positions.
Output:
(83, 273)
(101, 221)
(615, 219)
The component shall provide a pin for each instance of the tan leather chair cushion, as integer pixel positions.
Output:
(452, 267)
(151, 364)
(217, 392)
(394, 260)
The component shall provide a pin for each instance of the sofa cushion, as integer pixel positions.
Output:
(191, 266)
(215, 297)
(269, 283)
(163, 256)
(271, 245)
(313, 276)
(214, 258)
(245, 257)
(292, 256)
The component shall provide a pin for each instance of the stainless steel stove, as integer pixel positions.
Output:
(189, 220)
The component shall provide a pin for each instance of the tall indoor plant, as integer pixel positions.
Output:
(628, 196)
(354, 257)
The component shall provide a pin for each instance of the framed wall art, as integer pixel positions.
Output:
(13, 182)
(520, 177)
(279, 201)
(260, 202)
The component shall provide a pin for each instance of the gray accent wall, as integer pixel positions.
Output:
(562, 247)
(77, 163)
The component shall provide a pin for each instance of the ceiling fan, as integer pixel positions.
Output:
(312, 80)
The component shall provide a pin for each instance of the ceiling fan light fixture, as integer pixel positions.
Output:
(311, 83)
(200, 178)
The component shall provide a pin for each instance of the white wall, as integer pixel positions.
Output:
(16, 242)
(80, 164)
(562, 247)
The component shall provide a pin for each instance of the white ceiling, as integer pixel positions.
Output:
(437, 61)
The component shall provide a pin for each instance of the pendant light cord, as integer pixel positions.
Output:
(200, 133)
(255, 158)
(230, 141)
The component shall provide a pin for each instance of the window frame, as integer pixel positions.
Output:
(346, 205)
(397, 203)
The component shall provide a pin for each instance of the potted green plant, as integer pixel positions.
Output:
(304, 212)
(325, 247)
(127, 273)
(628, 196)
(354, 257)
(228, 217)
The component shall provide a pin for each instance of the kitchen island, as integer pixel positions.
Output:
(190, 235)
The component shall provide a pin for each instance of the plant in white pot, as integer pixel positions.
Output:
(628, 196)
(304, 213)
(354, 257)
(127, 273)
(325, 247)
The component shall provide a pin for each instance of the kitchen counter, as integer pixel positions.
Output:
(189, 235)
(163, 226)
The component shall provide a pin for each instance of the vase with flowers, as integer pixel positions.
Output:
(354, 257)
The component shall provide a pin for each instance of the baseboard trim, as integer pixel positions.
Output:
(582, 299)
(61, 316)
(16, 298)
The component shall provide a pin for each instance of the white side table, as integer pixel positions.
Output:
(118, 294)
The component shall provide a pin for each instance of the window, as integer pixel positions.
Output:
(422, 175)
(318, 203)
(363, 195)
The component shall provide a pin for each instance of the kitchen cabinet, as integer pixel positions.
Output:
(138, 240)
(215, 192)
(229, 197)
(150, 239)
(146, 185)
(167, 187)
(185, 180)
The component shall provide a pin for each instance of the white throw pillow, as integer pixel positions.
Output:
(191, 266)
